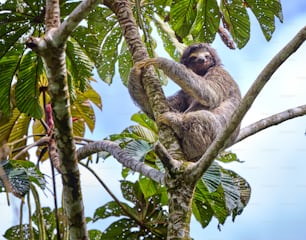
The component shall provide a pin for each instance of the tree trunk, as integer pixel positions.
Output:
(52, 50)
(180, 195)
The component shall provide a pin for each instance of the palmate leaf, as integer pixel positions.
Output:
(121, 230)
(103, 27)
(207, 21)
(138, 149)
(220, 193)
(146, 219)
(16, 233)
(19, 174)
(182, 16)
(82, 112)
(168, 38)
(237, 21)
(125, 63)
(109, 55)
(78, 65)
(8, 67)
(265, 11)
(15, 129)
(27, 92)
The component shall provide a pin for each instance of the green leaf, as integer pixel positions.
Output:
(207, 21)
(208, 204)
(32, 171)
(131, 191)
(121, 229)
(212, 177)
(265, 11)
(228, 157)
(145, 121)
(110, 209)
(8, 66)
(237, 21)
(18, 179)
(79, 66)
(227, 194)
(147, 186)
(231, 192)
(15, 233)
(27, 92)
(182, 16)
(202, 212)
(169, 40)
(109, 55)
(10, 32)
(95, 234)
(125, 63)
(15, 129)
(138, 149)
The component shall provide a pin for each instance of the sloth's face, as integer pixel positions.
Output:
(200, 61)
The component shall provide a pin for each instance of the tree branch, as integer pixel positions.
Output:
(149, 79)
(74, 18)
(122, 156)
(271, 121)
(203, 164)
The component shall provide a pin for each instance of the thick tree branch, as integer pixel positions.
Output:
(202, 165)
(74, 18)
(122, 156)
(271, 121)
(149, 79)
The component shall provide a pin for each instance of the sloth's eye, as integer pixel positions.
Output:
(192, 59)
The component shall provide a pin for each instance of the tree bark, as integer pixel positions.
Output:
(51, 48)
(180, 191)
(151, 83)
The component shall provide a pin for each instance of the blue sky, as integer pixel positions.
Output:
(275, 159)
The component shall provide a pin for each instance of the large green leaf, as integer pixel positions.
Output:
(103, 29)
(265, 11)
(15, 129)
(121, 230)
(20, 173)
(168, 38)
(78, 65)
(20, 232)
(8, 66)
(146, 219)
(182, 16)
(109, 55)
(237, 21)
(220, 193)
(27, 91)
(125, 63)
(207, 21)
(138, 149)
(110, 209)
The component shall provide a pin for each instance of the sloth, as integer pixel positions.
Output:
(204, 105)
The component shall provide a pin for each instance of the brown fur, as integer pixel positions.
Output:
(204, 105)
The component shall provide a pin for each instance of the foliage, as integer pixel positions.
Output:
(98, 44)
(145, 219)
(20, 174)
(220, 193)
(23, 231)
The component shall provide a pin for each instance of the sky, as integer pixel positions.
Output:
(274, 159)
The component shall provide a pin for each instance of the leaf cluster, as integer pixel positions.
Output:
(143, 218)
(20, 174)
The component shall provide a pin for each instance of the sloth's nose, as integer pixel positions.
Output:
(201, 60)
